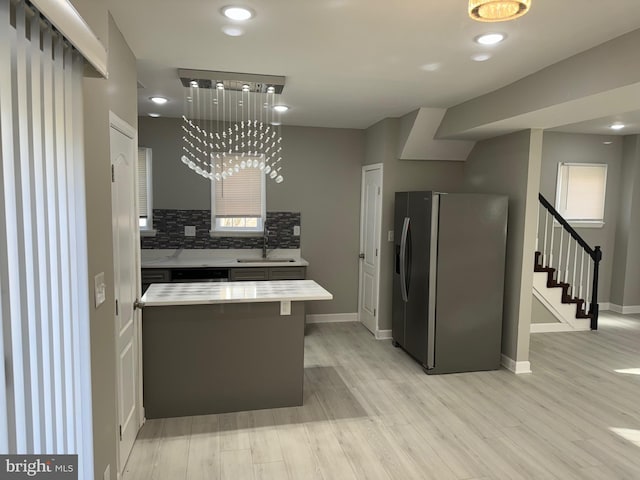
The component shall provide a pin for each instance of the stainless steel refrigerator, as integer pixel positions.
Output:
(448, 279)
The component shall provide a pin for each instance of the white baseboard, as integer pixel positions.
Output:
(332, 317)
(516, 367)
(383, 334)
(623, 309)
(604, 306)
(554, 327)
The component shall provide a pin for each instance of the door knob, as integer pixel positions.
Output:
(361, 256)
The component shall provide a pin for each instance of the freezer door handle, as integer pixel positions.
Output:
(403, 260)
(433, 283)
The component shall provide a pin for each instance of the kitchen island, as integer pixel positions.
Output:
(224, 347)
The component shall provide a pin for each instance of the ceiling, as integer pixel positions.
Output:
(351, 63)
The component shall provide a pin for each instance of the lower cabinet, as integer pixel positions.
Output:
(267, 273)
(248, 273)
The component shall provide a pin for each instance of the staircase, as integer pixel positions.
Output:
(565, 273)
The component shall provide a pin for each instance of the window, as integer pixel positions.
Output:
(580, 193)
(238, 203)
(145, 197)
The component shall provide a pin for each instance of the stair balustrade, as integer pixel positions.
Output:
(569, 261)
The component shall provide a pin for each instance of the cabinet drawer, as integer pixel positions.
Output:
(287, 273)
(155, 275)
(244, 274)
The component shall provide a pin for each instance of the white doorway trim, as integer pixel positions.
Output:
(371, 323)
(120, 125)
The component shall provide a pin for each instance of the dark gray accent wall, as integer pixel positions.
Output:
(510, 165)
(576, 148)
(117, 94)
(322, 170)
(625, 280)
(398, 176)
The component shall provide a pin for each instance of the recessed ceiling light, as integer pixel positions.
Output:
(232, 31)
(194, 83)
(608, 142)
(490, 38)
(280, 108)
(617, 126)
(154, 115)
(159, 100)
(239, 14)
(480, 57)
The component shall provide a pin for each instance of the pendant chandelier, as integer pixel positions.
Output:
(230, 124)
(497, 10)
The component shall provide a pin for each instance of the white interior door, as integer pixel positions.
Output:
(125, 217)
(370, 224)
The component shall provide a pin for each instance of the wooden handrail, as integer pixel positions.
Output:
(576, 236)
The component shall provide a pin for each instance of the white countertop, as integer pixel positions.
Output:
(164, 294)
(223, 258)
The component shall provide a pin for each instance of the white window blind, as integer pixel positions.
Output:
(145, 197)
(238, 201)
(45, 385)
(581, 191)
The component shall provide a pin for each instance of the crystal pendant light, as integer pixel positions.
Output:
(230, 126)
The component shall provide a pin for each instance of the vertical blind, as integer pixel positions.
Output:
(240, 195)
(45, 389)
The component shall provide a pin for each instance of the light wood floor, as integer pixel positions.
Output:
(371, 413)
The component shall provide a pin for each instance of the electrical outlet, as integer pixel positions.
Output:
(296, 230)
(390, 236)
(100, 289)
(190, 231)
(285, 307)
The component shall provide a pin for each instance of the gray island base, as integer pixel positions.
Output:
(223, 349)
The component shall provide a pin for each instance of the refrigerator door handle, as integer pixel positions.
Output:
(403, 260)
(433, 283)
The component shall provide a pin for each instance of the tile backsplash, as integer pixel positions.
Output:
(169, 225)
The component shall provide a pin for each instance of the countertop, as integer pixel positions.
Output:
(164, 294)
(222, 258)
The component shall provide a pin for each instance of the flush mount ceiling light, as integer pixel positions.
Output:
(229, 125)
(154, 115)
(280, 108)
(497, 10)
(239, 14)
(617, 126)
(158, 100)
(490, 38)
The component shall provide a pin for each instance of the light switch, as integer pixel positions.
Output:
(189, 231)
(390, 236)
(296, 230)
(100, 289)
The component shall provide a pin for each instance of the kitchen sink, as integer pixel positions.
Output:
(265, 260)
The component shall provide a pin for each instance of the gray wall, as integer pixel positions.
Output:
(510, 165)
(322, 168)
(401, 175)
(118, 94)
(174, 185)
(625, 281)
(539, 313)
(570, 147)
